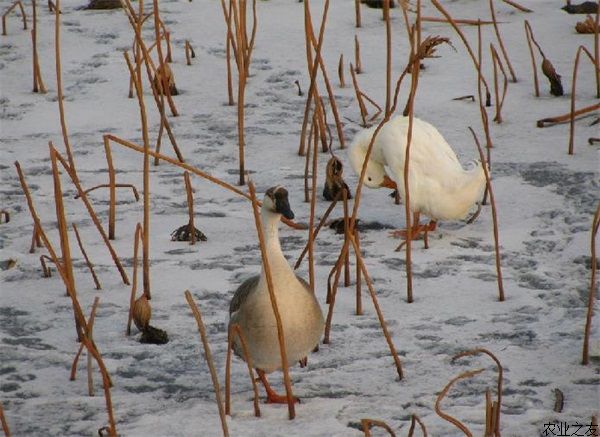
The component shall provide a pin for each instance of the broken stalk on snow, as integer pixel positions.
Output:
(498, 403)
(235, 330)
(500, 42)
(447, 417)
(189, 52)
(87, 259)
(38, 83)
(530, 38)
(551, 121)
(359, 95)
(499, 100)
(590, 307)
(414, 419)
(571, 150)
(341, 71)
(209, 359)
(9, 10)
(367, 424)
(456, 20)
(440, 8)
(46, 271)
(358, 69)
(273, 299)
(494, 217)
(90, 324)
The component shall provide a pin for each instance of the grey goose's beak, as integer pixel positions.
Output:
(282, 206)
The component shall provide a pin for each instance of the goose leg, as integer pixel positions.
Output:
(417, 230)
(272, 396)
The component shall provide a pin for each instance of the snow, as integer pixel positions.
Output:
(546, 200)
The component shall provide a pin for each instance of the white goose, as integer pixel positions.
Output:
(250, 307)
(439, 186)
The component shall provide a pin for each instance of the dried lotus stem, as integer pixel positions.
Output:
(38, 83)
(357, 12)
(517, 6)
(90, 324)
(47, 273)
(530, 39)
(573, 88)
(189, 53)
(499, 100)
(590, 310)
(440, 8)
(502, 48)
(87, 259)
(447, 417)
(190, 202)
(359, 310)
(208, 357)
(358, 69)
(366, 424)
(9, 10)
(484, 164)
(359, 94)
(456, 20)
(4, 423)
(136, 240)
(313, 203)
(235, 330)
(551, 121)
(413, 420)
(341, 71)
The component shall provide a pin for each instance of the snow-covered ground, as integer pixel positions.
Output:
(545, 198)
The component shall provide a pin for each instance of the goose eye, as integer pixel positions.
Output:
(370, 179)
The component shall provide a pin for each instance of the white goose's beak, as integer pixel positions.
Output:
(388, 183)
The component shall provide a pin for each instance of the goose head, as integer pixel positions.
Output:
(276, 202)
(375, 176)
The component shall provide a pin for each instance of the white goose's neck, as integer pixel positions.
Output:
(277, 262)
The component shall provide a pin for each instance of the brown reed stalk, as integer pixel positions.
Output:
(169, 57)
(357, 13)
(166, 89)
(9, 10)
(382, 322)
(196, 171)
(112, 205)
(388, 63)
(517, 6)
(146, 171)
(59, 90)
(590, 310)
(189, 52)
(38, 230)
(341, 71)
(47, 272)
(321, 64)
(366, 424)
(65, 249)
(38, 82)
(93, 216)
(4, 423)
(484, 115)
(414, 419)
(307, 160)
(90, 324)
(316, 231)
(357, 61)
(499, 384)
(313, 92)
(359, 95)
(313, 204)
(136, 241)
(190, 201)
(597, 52)
(529, 36)
(35, 240)
(242, 78)
(346, 237)
(332, 290)
(134, 190)
(228, 43)
(447, 417)
(359, 309)
(236, 330)
(208, 357)
(457, 21)
(87, 259)
(410, 109)
(273, 299)
(374, 103)
(551, 121)
(573, 88)
(440, 8)
(494, 217)
(500, 42)
(322, 129)
(499, 100)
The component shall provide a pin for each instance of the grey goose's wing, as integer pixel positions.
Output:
(242, 293)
